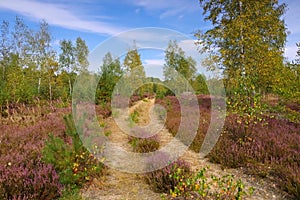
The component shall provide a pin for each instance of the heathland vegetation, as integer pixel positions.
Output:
(43, 157)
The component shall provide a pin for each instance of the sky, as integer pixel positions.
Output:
(97, 21)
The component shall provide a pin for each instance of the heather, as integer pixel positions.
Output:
(142, 143)
(163, 180)
(174, 117)
(23, 175)
(268, 149)
(266, 145)
(175, 179)
(240, 55)
(43, 159)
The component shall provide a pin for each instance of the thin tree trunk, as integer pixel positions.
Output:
(3, 72)
(39, 85)
(70, 87)
(50, 90)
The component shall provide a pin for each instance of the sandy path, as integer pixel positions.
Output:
(120, 185)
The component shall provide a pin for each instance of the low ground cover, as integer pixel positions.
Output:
(269, 147)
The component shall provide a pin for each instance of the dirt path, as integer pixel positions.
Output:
(127, 186)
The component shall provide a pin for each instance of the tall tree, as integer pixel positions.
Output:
(44, 55)
(67, 60)
(81, 55)
(17, 86)
(298, 53)
(199, 84)
(110, 72)
(175, 59)
(134, 68)
(248, 39)
(133, 61)
(20, 38)
(5, 47)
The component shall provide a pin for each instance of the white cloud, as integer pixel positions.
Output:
(168, 8)
(171, 12)
(291, 52)
(150, 37)
(154, 4)
(159, 62)
(56, 14)
(190, 48)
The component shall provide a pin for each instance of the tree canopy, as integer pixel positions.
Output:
(247, 41)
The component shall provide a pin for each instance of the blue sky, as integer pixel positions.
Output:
(96, 21)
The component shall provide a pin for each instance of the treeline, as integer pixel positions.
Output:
(31, 69)
(129, 78)
(250, 58)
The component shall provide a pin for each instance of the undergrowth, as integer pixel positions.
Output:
(73, 162)
(267, 146)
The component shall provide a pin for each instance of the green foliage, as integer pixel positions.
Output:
(199, 84)
(31, 68)
(166, 179)
(144, 145)
(198, 186)
(288, 87)
(135, 75)
(134, 117)
(73, 161)
(81, 54)
(64, 153)
(85, 88)
(244, 34)
(133, 61)
(110, 73)
(176, 60)
(284, 111)
(246, 103)
(73, 194)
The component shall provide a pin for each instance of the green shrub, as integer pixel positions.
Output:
(134, 117)
(73, 162)
(164, 180)
(198, 186)
(144, 145)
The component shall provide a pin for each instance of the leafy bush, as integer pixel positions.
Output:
(73, 162)
(198, 186)
(134, 117)
(163, 180)
(142, 143)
